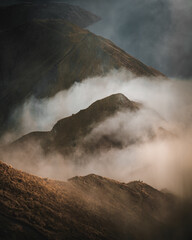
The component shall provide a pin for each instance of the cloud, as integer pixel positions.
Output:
(155, 31)
(162, 95)
(163, 162)
(158, 32)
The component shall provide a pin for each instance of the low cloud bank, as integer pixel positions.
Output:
(163, 162)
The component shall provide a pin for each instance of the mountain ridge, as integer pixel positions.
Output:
(69, 132)
(48, 56)
(49, 209)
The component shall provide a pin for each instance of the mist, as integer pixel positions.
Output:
(160, 158)
(163, 96)
(158, 32)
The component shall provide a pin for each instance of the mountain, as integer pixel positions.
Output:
(16, 15)
(87, 133)
(90, 207)
(70, 133)
(43, 57)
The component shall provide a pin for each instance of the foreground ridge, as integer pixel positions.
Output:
(90, 207)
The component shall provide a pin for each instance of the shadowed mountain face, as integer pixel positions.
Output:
(70, 133)
(20, 14)
(44, 57)
(90, 207)
(81, 137)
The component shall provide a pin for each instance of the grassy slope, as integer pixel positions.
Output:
(90, 207)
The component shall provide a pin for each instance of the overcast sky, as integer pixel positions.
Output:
(158, 32)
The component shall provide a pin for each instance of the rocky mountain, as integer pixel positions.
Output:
(43, 57)
(70, 133)
(16, 15)
(90, 207)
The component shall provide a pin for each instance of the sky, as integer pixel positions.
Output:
(157, 32)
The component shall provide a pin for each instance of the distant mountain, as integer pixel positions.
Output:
(16, 15)
(90, 207)
(70, 133)
(74, 136)
(43, 57)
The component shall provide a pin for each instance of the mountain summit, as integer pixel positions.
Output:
(70, 133)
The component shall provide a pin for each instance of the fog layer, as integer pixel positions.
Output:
(163, 161)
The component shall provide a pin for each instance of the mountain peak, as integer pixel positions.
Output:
(117, 100)
(95, 113)
(120, 97)
(48, 49)
(70, 132)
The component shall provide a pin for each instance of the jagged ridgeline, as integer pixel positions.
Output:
(41, 57)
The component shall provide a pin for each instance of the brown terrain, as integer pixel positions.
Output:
(90, 207)
(43, 50)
